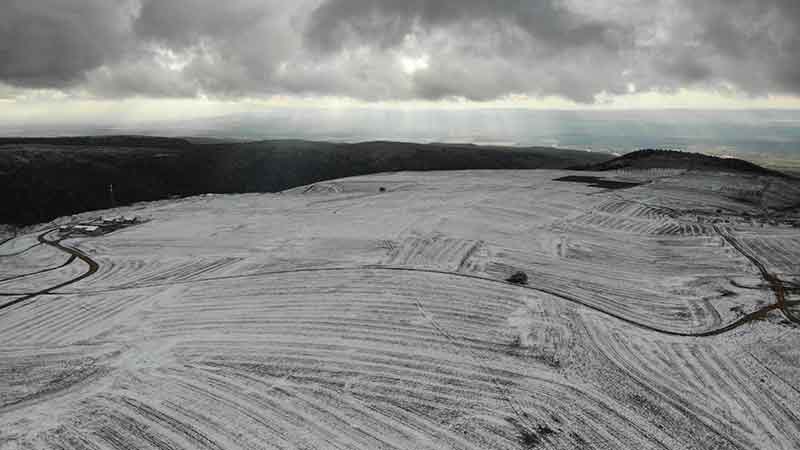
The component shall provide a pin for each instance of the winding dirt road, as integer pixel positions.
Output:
(74, 254)
(755, 315)
(775, 283)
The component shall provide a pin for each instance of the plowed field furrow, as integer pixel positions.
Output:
(34, 317)
(780, 424)
(118, 270)
(468, 323)
(93, 319)
(182, 271)
(389, 316)
(68, 438)
(200, 407)
(239, 355)
(337, 288)
(135, 422)
(421, 386)
(737, 401)
(386, 335)
(479, 316)
(306, 370)
(53, 319)
(280, 406)
(431, 251)
(65, 317)
(703, 416)
(779, 253)
(652, 225)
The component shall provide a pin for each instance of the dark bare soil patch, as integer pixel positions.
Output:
(598, 182)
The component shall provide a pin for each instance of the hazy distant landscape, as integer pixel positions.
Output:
(755, 133)
(768, 137)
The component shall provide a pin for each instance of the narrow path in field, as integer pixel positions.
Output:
(775, 283)
(74, 254)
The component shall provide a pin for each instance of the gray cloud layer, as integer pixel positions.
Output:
(475, 49)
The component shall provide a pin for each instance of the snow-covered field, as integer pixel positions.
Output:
(373, 313)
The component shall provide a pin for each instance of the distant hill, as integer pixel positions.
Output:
(44, 178)
(671, 159)
(99, 141)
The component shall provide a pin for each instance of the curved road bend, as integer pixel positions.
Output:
(74, 253)
(775, 283)
(758, 314)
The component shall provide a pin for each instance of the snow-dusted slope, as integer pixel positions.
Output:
(372, 312)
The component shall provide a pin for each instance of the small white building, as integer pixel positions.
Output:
(86, 229)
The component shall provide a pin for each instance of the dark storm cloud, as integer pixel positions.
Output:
(183, 23)
(339, 22)
(755, 45)
(52, 43)
(232, 47)
(388, 49)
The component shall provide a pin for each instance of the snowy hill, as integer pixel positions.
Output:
(373, 312)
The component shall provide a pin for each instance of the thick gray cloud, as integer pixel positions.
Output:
(755, 45)
(341, 22)
(52, 43)
(388, 49)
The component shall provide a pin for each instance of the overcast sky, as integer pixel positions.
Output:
(71, 54)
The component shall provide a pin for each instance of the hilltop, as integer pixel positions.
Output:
(672, 159)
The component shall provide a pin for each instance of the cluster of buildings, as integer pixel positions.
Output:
(100, 226)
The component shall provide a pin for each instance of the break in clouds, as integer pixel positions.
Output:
(399, 50)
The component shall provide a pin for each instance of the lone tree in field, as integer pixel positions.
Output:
(518, 278)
